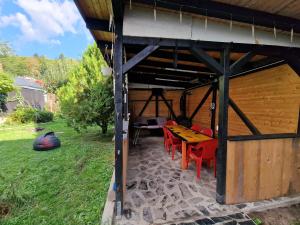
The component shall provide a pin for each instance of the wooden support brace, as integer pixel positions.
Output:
(146, 104)
(139, 57)
(202, 56)
(201, 102)
(168, 105)
(237, 65)
(244, 118)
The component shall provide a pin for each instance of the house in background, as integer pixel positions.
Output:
(32, 92)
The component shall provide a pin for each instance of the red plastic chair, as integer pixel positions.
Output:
(166, 139)
(174, 142)
(207, 132)
(196, 127)
(204, 151)
(171, 122)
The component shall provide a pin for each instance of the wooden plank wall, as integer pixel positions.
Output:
(136, 106)
(269, 98)
(262, 169)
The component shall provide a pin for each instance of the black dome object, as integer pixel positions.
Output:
(46, 142)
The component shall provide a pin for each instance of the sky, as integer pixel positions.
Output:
(43, 27)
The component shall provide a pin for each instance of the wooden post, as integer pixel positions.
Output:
(118, 76)
(223, 126)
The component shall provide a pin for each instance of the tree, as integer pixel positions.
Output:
(6, 86)
(5, 49)
(55, 73)
(87, 98)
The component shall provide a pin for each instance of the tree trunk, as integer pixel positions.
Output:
(104, 128)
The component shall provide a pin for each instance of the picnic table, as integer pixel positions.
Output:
(188, 136)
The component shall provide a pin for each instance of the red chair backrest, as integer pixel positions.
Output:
(196, 127)
(165, 132)
(171, 122)
(209, 148)
(207, 132)
(171, 136)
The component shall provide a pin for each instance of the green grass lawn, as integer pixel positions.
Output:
(63, 186)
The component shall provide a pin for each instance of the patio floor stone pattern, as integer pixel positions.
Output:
(160, 192)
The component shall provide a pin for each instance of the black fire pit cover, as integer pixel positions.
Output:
(46, 142)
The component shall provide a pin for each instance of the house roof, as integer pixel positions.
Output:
(284, 14)
(28, 82)
(171, 63)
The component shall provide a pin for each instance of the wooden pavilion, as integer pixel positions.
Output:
(232, 65)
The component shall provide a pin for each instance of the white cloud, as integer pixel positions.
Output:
(44, 20)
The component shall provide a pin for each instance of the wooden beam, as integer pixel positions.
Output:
(203, 100)
(134, 74)
(145, 106)
(207, 59)
(244, 118)
(159, 82)
(168, 105)
(118, 100)
(139, 57)
(223, 126)
(118, 9)
(237, 65)
(97, 24)
(228, 12)
(293, 60)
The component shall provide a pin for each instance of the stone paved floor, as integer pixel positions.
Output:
(159, 192)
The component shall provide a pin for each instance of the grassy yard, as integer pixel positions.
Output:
(63, 186)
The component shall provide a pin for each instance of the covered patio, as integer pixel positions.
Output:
(228, 67)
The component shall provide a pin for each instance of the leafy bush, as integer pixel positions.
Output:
(6, 86)
(28, 114)
(44, 116)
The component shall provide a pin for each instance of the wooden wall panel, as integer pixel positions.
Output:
(262, 169)
(269, 98)
(203, 116)
(137, 99)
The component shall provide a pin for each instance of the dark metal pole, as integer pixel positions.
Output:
(223, 126)
(118, 75)
(213, 108)
(156, 106)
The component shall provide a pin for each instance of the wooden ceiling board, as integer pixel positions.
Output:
(182, 62)
(98, 9)
(289, 8)
(233, 56)
(101, 35)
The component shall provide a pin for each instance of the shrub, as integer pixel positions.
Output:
(44, 116)
(28, 114)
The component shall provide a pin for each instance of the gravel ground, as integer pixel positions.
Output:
(280, 216)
